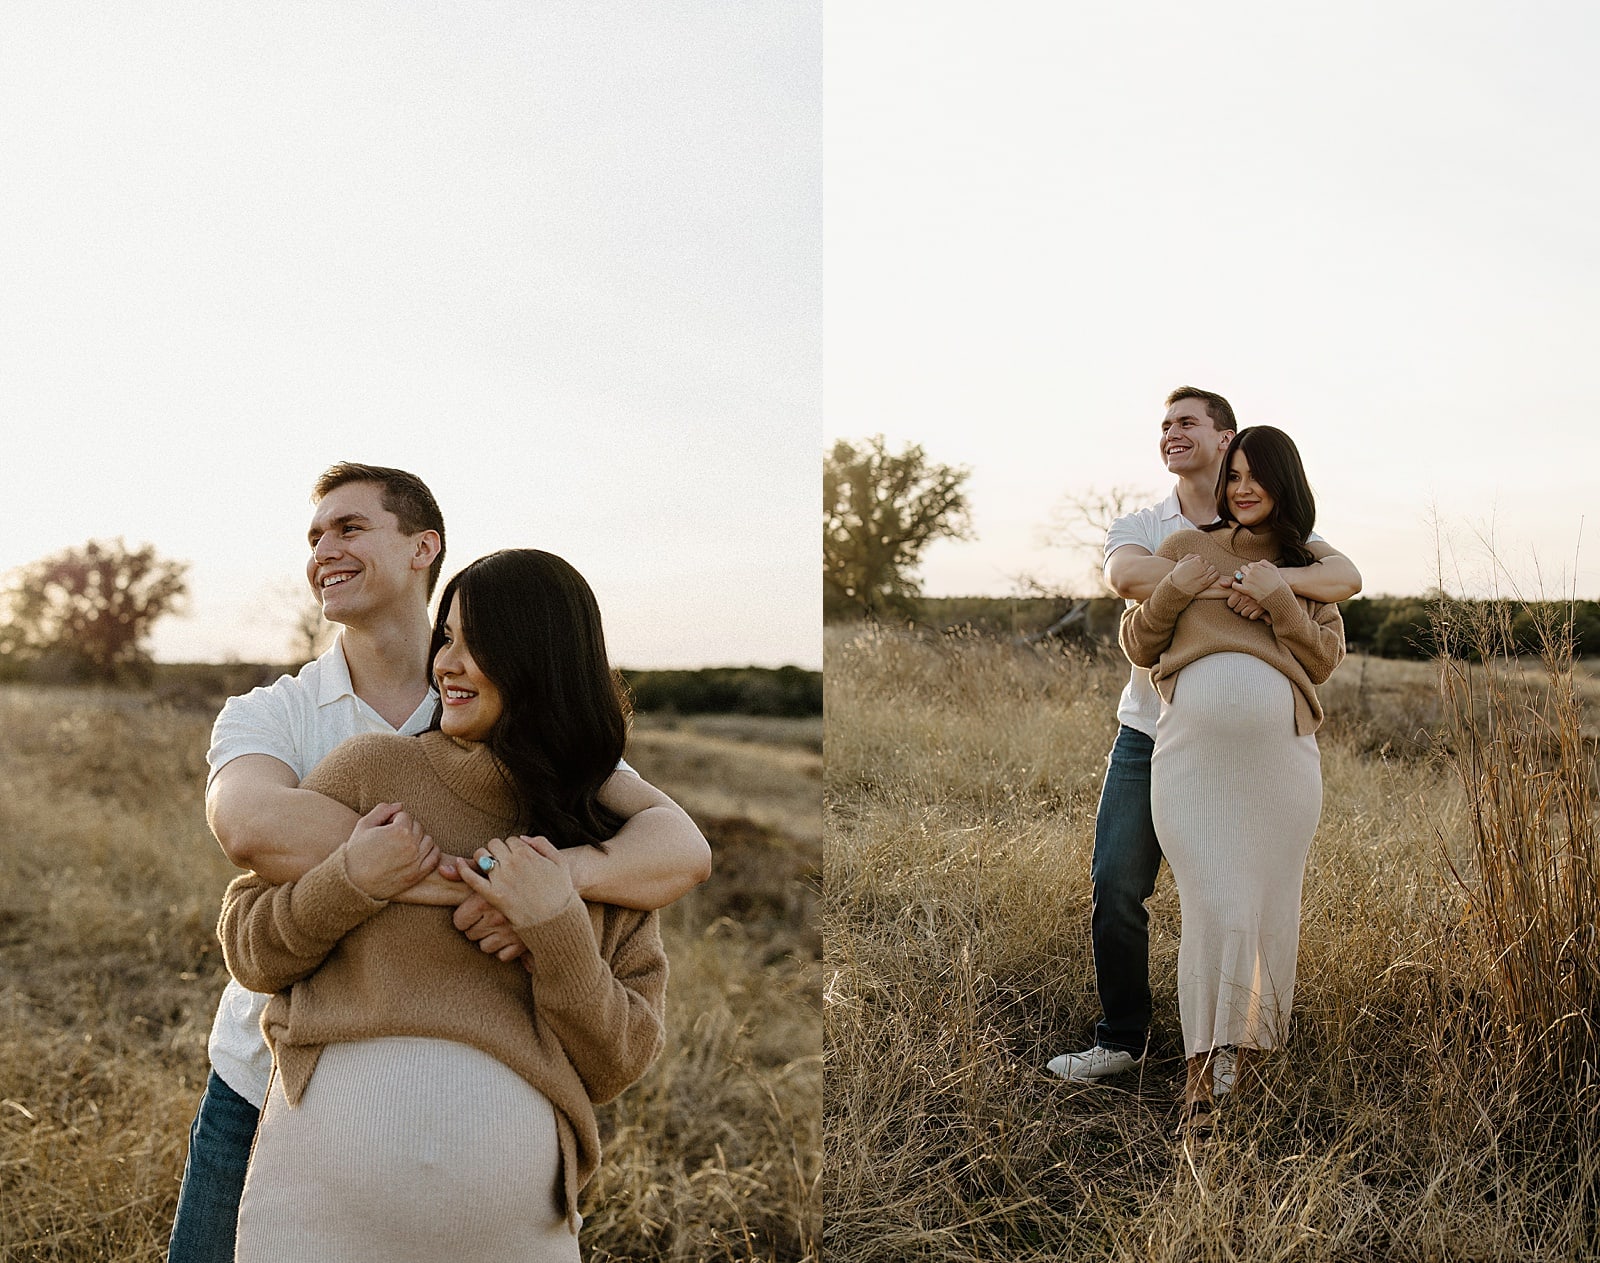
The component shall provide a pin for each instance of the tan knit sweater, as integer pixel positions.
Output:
(348, 967)
(1305, 640)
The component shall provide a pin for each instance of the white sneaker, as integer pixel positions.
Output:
(1092, 1063)
(1224, 1069)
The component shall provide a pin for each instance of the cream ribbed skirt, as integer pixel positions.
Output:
(406, 1149)
(1235, 794)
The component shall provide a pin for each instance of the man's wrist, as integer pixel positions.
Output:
(434, 891)
(579, 863)
(1294, 575)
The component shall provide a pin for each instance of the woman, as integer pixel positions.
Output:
(429, 1101)
(1236, 779)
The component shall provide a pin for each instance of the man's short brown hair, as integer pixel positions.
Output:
(405, 495)
(1217, 408)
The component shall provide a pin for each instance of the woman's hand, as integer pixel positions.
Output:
(527, 884)
(1193, 575)
(388, 852)
(1259, 580)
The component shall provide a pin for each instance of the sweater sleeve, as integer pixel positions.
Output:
(274, 935)
(608, 1011)
(1314, 636)
(1146, 628)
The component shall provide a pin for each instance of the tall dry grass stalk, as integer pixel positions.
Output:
(961, 782)
(1516, 739)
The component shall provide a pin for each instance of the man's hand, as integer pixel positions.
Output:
(1193, 574)
(388, 852)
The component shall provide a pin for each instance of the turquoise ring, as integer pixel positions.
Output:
(486, 864)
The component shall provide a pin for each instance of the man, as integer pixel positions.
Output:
(1194, 438)
(377, 547)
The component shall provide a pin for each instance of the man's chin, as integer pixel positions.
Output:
(335, 612)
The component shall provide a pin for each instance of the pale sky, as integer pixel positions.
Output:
(1370, 224)
(563, 260)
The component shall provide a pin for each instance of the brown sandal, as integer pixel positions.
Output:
(1198, 1118)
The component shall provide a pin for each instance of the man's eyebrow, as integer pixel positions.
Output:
(342, 520)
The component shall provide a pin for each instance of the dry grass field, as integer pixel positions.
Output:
(110, 971)
(1438, 1098)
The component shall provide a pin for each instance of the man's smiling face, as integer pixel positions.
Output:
(1189, 441)
(361, 562)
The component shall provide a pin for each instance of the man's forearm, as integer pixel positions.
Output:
(658, 856)
(1329, 581)
(436, 890)
(279, 832)
(1133, 574)
(1137, 578)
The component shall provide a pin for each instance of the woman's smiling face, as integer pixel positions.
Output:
(470, 702)
(1247, 498)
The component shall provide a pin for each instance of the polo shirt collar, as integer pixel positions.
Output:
(333, 675)
(1170, 509)
(334, 685)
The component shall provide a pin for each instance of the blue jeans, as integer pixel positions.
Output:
(1123, 873)
(213, 1177)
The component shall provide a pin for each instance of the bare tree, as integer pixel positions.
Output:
(311, 634)
(1079, 522)
(299, 614)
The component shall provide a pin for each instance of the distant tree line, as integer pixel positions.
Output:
(785, 692)
(1409, 627)
(1383, 626)
(780, 691)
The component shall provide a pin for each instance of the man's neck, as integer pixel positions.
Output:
(389, 664)
(1197, 497)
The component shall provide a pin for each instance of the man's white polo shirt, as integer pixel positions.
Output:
(1140, 705)
(297, 720)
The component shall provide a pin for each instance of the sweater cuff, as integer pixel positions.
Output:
(565, 959)
(327, 902)
(1283, 605)
(1168, 601)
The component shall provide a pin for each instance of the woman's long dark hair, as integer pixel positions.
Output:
(531, 623)
(1275, 464)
